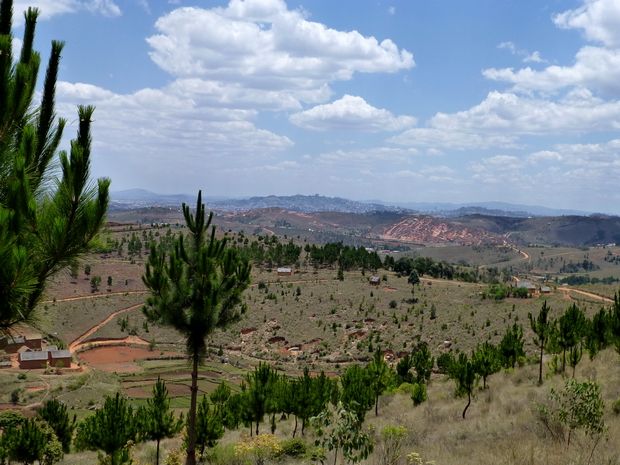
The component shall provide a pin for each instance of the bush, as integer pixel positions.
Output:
(294, 447)
(615, 407)
(393, 304)
(22, 376)
(418, 394)
(404, 388)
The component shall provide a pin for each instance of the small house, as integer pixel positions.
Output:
(285, 272)
(33, 360)
(60, 358)
(374, 280)
(545, 290)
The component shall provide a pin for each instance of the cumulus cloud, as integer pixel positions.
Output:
(599, 20)
(262, 46)
(508, 113)
(594, 67)
(350, 114)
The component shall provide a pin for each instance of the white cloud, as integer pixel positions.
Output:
(507, 113)
(452, 137)
(527, 57)
(104, 7)
(262, 46)
(599, 20)
(594, 67)
(350, 114)
(369, 156)
(50, 8)
(535, 57)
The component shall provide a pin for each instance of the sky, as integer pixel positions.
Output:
(399, 101)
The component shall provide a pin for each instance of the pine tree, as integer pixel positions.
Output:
(380, 377)
(25, 443)
(209, 426)
(109, 430)
(486, 360)
(196, 289)
(542, 327)
(156, 421)
(569, 330)
(511, 345)
(423, 364)
(46, 223)
(463, 373)
(260, 392)
(356, 396)
(57, 416)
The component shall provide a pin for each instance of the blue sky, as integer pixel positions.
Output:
(402, 101)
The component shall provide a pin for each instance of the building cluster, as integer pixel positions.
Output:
(31, 353)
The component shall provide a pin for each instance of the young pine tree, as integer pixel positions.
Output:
(156, 421)
(46, 222)
(196, 289)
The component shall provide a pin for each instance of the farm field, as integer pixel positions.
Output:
(314, 319)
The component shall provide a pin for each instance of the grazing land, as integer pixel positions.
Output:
(318, 319)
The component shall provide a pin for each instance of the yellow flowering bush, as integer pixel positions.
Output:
(259, 449)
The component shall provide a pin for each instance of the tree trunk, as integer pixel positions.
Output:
(191, 427)
(157, 456)
(540, 380)
(377, 406)
(468, 402)
(295, 430)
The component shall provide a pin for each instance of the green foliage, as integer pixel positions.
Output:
(511, 345)
(380, 376)
(543, 328)
(403, 370)
(486, 360)
(615, 406)
(156, 421)
(259, 393)
(443, 363)
(418, 394)
(24, 443)
(11, 419)
(294, 447)
(95, 281)
(423, 364)
(356, 397)
(57, 417)
(47, 221)
(569, 330)
(110, 429)
(393, 439)
(342, 432)
(463, 372)
(196, 289)
(209, 427)
(579, 406)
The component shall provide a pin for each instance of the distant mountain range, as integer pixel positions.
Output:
(137, 198)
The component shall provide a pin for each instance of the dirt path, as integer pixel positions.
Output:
(95, 296)
(589, 294)
(526, 256)
(78, 342)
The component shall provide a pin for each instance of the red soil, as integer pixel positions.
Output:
(119, 358)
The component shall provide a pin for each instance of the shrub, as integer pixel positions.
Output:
(418, 393)
(294, 447)
(22, 376)
(615, 407)
(393, 304)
